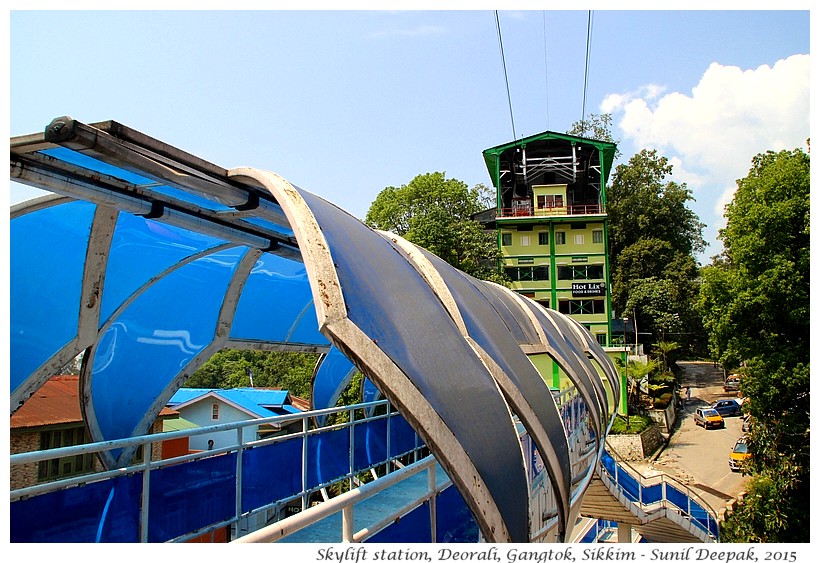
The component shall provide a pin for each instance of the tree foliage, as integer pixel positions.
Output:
(755, 304)
(597, 127)
(435, 213)
(228, 369)
(653, 238)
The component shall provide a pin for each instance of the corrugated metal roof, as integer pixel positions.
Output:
(255, 400)
(57, 402)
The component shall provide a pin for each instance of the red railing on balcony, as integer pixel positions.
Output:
(586, 209)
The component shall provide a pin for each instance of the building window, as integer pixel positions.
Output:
(601, 338)
(525, 240)
(579, 239)
(581, 272)
(528, 273)
(582, 307)
(597, 237)
(548, 201)
(560, 237)
(59, 468)
(543, 238)
(215, 411)
(506, 239)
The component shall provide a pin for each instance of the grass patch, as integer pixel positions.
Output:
(637, 424)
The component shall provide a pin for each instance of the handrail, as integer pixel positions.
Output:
(344, 502)
(147, 465)
(667, 481)
(589, 209)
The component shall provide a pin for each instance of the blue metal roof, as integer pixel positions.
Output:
(253, 400)
(151, 260)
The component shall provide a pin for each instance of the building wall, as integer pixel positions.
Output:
(200, 413)
(545, 257)
(24, 475)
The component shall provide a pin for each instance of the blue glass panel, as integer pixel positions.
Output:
(283, 461)
(187, 197)
(46, 266)
(370, 444)
(403, 438)
(328, 456)
(332, 375)
(105, 512)
(270, 225)
(369, 391)
(85, 161)
(152, 340)
(454, 521)
(277, 296)
(413, 527)
(140, 250)
(190, 496)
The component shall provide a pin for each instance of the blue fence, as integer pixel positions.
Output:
(663, 493)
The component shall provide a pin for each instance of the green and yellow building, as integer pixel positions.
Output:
(551, 223)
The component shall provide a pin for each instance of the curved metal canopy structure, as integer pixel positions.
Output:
(150, 260)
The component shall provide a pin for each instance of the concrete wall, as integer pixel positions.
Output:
(636, 447)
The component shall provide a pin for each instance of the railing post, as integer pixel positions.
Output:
(351, 457)
(304, 462)
(238, 477)
(431, 486)
(347, 524)
(387, 440)
(146, 495)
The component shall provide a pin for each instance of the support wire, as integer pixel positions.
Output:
(504, 65)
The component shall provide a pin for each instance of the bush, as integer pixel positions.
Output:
(663, 401)
(637, 424)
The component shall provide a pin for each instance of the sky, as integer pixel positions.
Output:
(348, 102)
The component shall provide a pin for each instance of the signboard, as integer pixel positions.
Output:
(588, 289)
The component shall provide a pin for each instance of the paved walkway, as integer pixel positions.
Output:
(696, 456)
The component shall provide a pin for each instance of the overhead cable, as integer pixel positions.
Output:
(504, 65)
(586, 69)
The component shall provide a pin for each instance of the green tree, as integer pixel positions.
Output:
(595, 126)
(653, 238)
(435, 213)
(232, 368)
(755, 305)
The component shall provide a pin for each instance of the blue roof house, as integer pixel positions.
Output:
(207, 407)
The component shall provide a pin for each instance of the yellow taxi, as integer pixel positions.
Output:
(740, 453)
(708, 418)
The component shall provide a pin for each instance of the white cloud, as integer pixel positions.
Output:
(711, 134)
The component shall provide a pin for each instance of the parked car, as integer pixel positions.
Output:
(740, 453)
(708, 418)
(732, 384)
(727, 407)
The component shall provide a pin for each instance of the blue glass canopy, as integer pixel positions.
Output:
(150, 260)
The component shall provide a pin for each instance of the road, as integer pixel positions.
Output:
(694, 455)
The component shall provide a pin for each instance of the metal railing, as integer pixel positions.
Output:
(239, 449)
(587, 209)
(344, 503)
(659, 492)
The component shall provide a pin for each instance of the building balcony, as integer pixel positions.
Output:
(564, 211)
